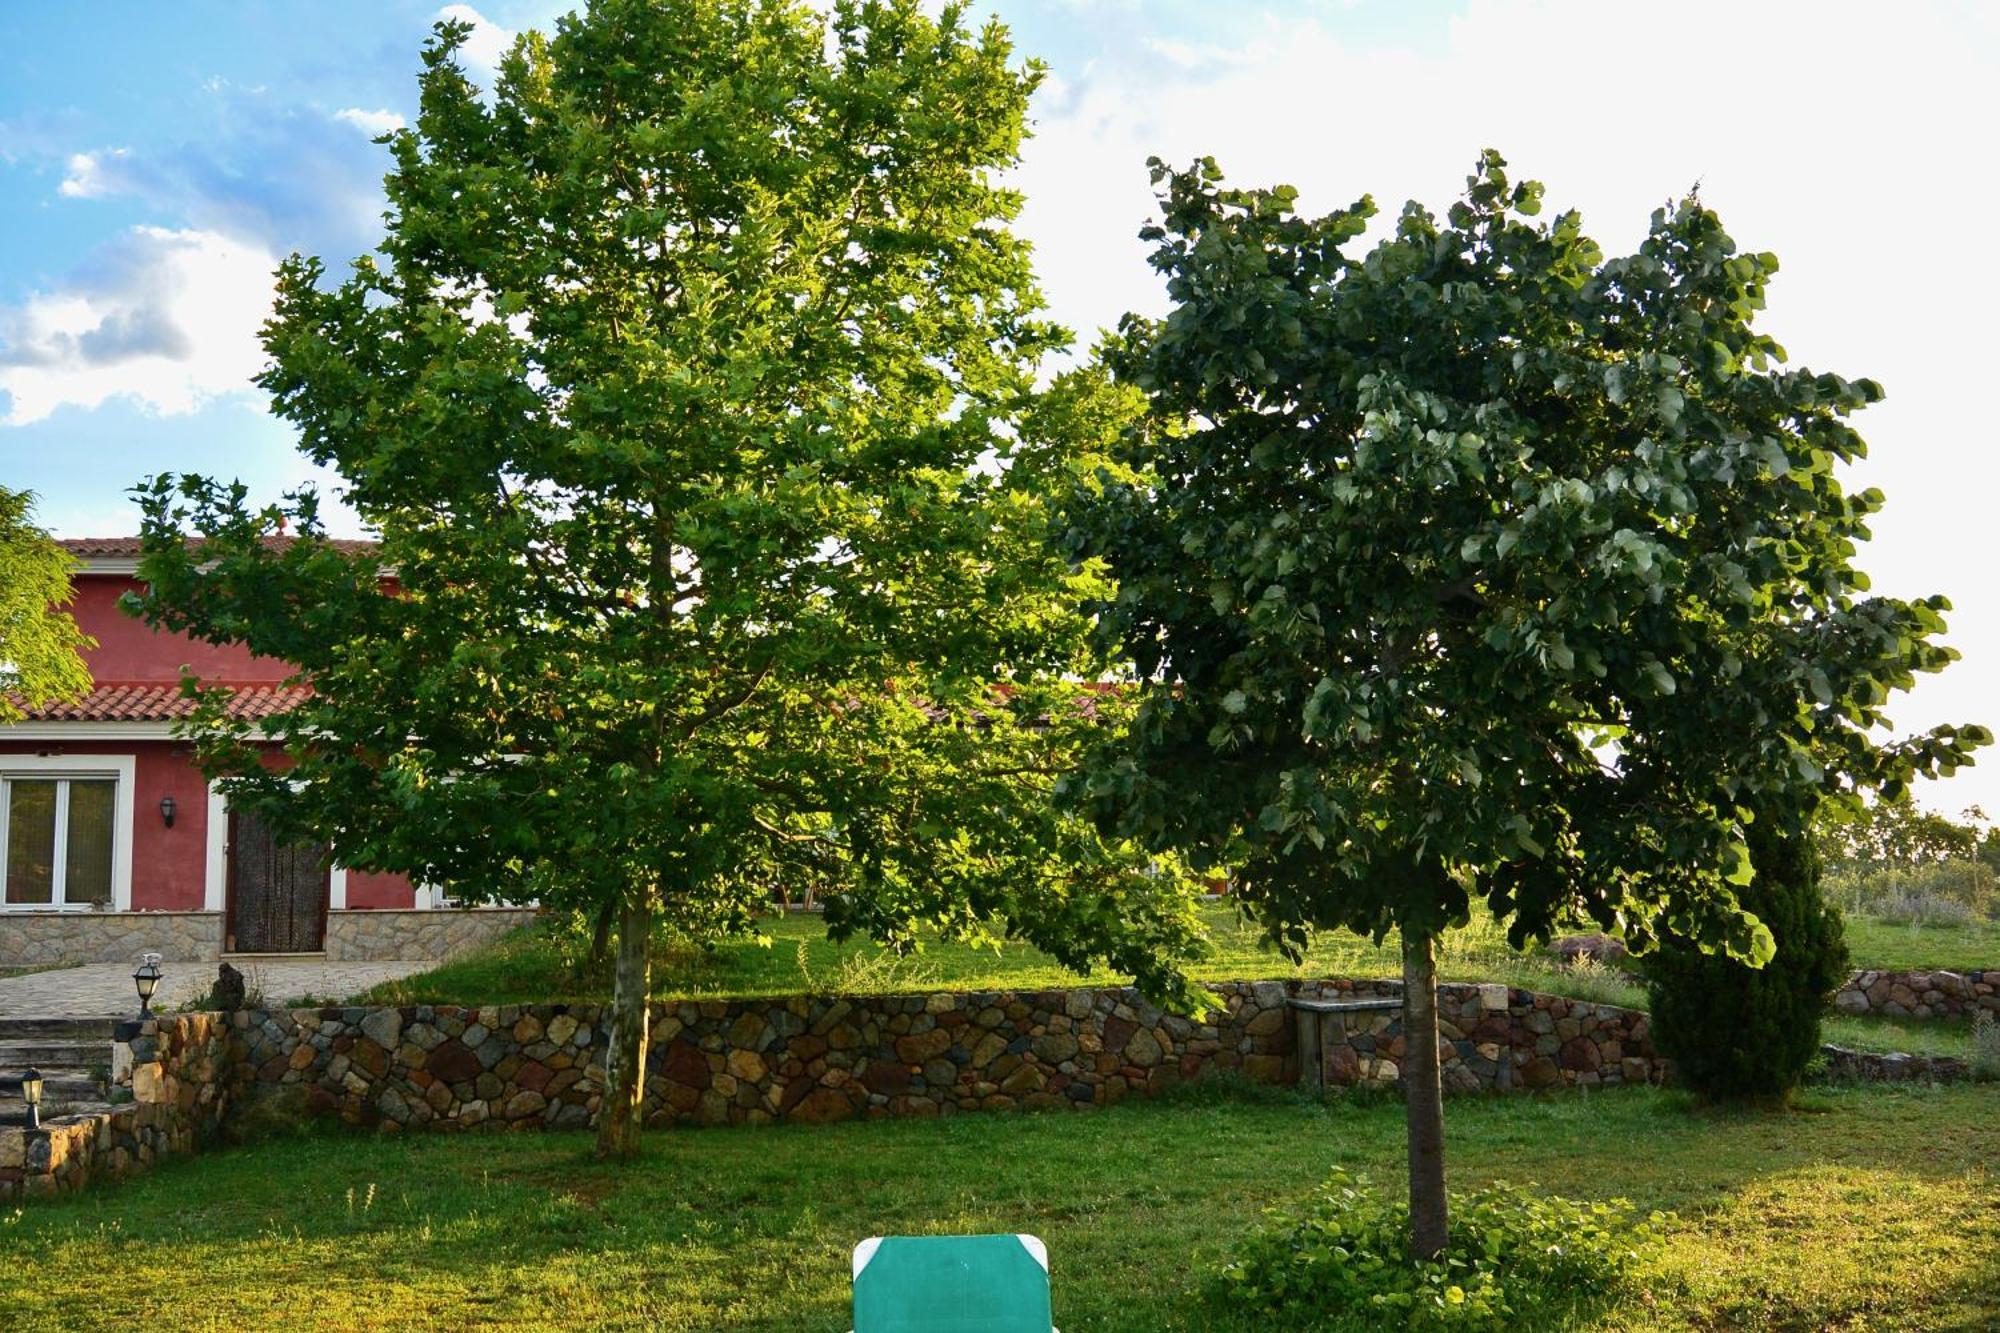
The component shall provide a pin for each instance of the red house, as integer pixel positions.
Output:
(112, 844)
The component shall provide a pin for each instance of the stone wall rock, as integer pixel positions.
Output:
(29, 939)
(1893, 1067)
(812, 1059)
(443, 932)
(1928, 994)
(1490, 1039)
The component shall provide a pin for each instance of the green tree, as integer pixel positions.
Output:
(40, 646)
(1899, 834)
(1734, 1031)
(695, 406)
(1479, 565)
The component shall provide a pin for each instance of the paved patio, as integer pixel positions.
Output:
(100, 989)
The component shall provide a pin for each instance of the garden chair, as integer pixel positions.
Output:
(951, 1284)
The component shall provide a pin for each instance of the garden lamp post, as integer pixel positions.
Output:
(31, 1093)
(147, 979)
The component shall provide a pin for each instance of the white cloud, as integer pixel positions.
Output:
(1840, 142)
(167, 318)
(91, 175)
(370, 122)
(487, 45)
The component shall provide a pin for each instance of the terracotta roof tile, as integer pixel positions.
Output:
(117, 548)
(165, 703)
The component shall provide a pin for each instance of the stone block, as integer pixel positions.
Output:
(384, 1027)
(1143, 1050)
(1540, 1072)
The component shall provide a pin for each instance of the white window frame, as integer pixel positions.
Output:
(122, 769)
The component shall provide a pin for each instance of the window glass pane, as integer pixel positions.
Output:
(31, 841)
(87, 859)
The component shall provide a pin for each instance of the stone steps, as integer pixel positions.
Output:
(57, 1029)
(73, 1056)
(50, 1055)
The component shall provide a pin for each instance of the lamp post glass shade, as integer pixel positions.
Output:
(147, 979)
(31, 1093)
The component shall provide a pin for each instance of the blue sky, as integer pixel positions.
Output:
(157, 160)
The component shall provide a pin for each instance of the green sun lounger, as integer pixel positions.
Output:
(951, 1284)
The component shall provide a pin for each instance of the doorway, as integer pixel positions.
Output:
(277, 890)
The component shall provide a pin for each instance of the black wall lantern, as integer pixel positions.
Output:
(31, 1093)
(147, 979)
(167, 808)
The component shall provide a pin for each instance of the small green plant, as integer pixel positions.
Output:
(1985, 1059)
(362, 1206)
(1588, 979)
(1516, 1260)
(868, 971)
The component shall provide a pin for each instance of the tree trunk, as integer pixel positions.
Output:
(600, 935)
(1423, 1095)
(619, 1115)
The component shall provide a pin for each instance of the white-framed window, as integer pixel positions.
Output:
(65, 832)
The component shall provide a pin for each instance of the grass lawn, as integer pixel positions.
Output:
(1859, 1209)
(1969, 948)
(796, 956)
(1917, 1036)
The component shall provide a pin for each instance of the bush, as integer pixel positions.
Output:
(1921, 909)
(1515, 1260)
(1947, 892)
(1737, 1031)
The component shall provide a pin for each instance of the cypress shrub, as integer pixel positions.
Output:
(1739, 1032)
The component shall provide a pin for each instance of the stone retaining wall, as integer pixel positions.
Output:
(1895, 1067)
(756, 1061)
(443, 932)
(30, 939)
(1920, 994)
(180, 1076)
(1490, 1039)
(817, 1059)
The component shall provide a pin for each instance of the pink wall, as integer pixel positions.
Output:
(169, 864)
(128, 652)
(370, 889)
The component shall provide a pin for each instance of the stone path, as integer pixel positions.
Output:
(95, 989)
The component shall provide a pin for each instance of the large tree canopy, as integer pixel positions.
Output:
(693, 397)
(1487, 549)
(1479, 564)
(40, 645)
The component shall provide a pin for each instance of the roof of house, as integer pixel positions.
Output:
(166, 703)
(127, 548)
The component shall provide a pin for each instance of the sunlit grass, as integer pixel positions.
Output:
(796, 956)
(1861, 1209)
(1972, 947)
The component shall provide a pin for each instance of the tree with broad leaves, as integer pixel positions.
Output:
(694, 402)
(1479, 565)
(41, 647)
